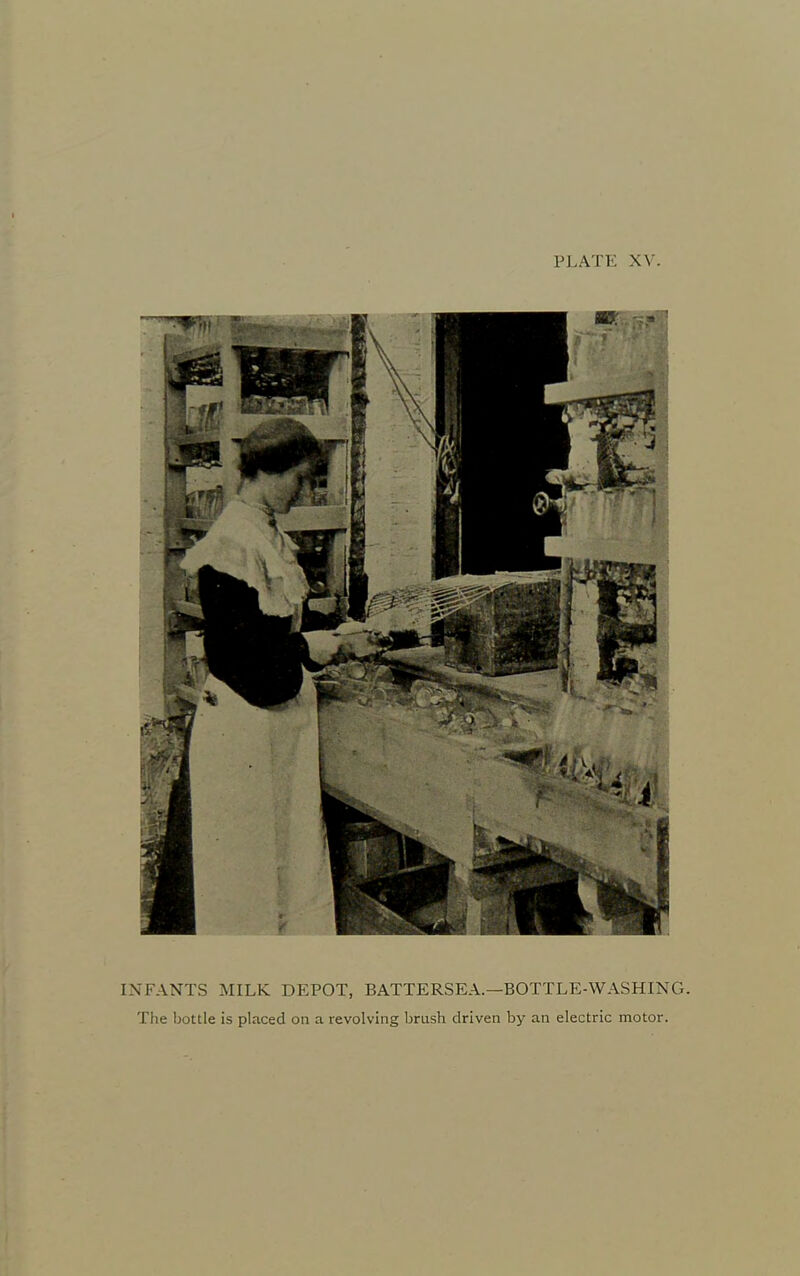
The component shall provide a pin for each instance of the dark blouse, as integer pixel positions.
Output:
(256, 655)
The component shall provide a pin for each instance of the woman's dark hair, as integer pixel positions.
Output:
(277, 445)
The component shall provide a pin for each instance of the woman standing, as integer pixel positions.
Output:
(260, 861)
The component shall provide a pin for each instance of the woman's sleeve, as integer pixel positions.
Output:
(256, 655)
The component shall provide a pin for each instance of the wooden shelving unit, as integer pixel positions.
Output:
(650, 549)
(222, 355)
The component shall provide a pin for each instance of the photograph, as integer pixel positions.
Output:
(404, 624)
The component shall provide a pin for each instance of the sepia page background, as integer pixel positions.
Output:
(310, 157)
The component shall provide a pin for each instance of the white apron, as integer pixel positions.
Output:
(259, 849)
(260, 854)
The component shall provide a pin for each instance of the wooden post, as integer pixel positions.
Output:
(230, 359)
(612, 913)
(661, 536)
(174, 508)
(339, 404)
(357, 583)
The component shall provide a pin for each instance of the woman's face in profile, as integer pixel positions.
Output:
(296, 485)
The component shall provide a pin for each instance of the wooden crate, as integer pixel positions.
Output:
(385, 905)
(512, 630)
(368, 849)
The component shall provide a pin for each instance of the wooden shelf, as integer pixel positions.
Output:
(326, 428)
(600, 387)
(186, 440)
(280, 336)
(595, 547)
(303, 518)
(222, 345)
(186, 608)
(334, 427)
(190, 353)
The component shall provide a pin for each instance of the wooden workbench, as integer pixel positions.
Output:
(477, 805)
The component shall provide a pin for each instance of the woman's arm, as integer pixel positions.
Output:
(256, 655)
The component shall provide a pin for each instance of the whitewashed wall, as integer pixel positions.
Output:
(400, 467)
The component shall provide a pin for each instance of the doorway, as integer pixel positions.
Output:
(491, 372)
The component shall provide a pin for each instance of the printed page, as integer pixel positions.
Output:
(610, 1089)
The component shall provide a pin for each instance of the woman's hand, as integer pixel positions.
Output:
(358, 642)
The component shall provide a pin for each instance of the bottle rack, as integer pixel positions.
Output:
(222, 377)
(620, 525)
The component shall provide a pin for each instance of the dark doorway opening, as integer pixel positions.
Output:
(491, 373)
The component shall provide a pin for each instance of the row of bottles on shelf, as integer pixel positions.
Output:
(281, 405)
(604, 748)
(203, 418)
(285, 375)
(206, 418)
(196, 671)
(207, 503)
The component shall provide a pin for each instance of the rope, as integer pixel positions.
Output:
(448, 461)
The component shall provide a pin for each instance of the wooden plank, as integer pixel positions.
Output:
(338, 469)
(599, 387)
(662, 551)
(231, 407)
(178, 623)
(198, 396)
(189, 609)
(181, 353)
(356, 582)
(611, 913)
(183, 440)
(283, 336)
(622, 845)
(415, 783)
(334, 426)
(564, 623)
(596, 547)
(315, 518)
(190, 694)
(303, 518)
(531, 872)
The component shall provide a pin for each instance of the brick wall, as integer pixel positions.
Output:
(400, 467)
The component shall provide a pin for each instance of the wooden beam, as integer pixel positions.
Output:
(584, 828)
(357, 583)
(335, 426)
(596, 547)
(283, 336)
(189, 609)
(602, 386)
